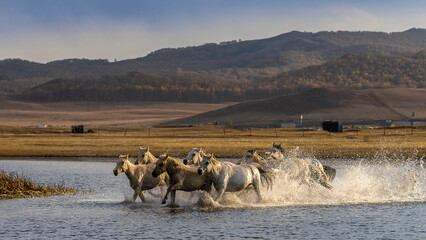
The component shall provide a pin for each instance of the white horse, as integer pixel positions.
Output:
(140, 176)
(296, 168)
(194, 157)
(229, 177)
(320, 173)
(145, 156)
(182, 177)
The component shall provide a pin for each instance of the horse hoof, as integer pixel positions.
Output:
(163, 202)
(173, 205)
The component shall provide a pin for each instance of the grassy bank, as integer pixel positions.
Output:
(223, 142)
(14, 186)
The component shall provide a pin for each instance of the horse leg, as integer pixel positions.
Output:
(135, 195)
(173, 196)
(142, 197)
(220, 193)
(165, 196)
(256, 185)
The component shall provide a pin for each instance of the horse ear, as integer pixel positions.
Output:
(167, 156)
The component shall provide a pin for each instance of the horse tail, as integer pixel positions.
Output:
(266, 177)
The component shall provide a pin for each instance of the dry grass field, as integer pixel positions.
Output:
(96, 114)
(223, 142)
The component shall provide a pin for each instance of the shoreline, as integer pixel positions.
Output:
(228, 158)
(59, 158)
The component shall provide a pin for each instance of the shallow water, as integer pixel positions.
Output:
(385, 199)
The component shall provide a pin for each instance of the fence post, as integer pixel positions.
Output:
(224, 131)
(125, 132)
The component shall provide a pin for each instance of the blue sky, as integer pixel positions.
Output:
(47, 30)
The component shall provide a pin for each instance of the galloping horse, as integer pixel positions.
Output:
(145, 156)
(229, 177)
(182, 177)
(139, 176)
(323, 173)
(251, 156)
(297, 169)
(194, 157)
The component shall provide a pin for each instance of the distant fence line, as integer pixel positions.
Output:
(209, 131)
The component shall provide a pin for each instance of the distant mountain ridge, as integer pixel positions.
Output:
(288, 51)
(350, 71)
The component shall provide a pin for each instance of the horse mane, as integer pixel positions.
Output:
(174, 163)
(213, 161)
(125, 157)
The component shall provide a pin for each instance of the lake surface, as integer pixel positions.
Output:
(381, 200)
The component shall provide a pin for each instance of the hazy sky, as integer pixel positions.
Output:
(46, 30)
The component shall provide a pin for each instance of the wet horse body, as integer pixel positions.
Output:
(276, 152)
(229, 177)
(182, 177)
(296, 168)
(139, 176)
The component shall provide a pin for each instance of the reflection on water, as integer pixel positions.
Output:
(384, 199)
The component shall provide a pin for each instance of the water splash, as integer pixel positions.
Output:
(381, 180)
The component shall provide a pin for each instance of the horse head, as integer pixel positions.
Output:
(195, 156)
(143, 156)
(121, 165)
(161, 165)
(249, 154)
(206, 164)
(276, 152)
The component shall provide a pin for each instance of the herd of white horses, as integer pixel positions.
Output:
(202, 171)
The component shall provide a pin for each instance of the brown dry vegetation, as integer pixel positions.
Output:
(14, 186)
(92, 114)
(223, 142)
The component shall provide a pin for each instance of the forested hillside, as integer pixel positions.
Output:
(349, 71)
(289, 51)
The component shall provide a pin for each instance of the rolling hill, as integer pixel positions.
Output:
(350, 71)
(288, 51)
(316, 105)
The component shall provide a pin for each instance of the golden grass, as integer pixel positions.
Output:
(223, 142)
(14, 186)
